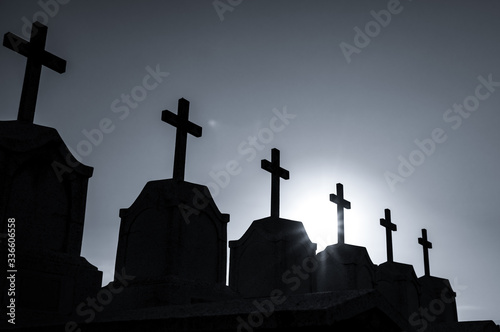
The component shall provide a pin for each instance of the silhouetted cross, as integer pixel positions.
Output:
(426, 245)
(389, 228)
(277, 172)
(34, 51)
(341, 205)
(184, 127)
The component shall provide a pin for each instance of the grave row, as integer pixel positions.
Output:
(174, 259)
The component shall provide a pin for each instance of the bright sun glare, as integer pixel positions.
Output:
(319, 216)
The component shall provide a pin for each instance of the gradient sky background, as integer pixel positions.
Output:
(353, 120)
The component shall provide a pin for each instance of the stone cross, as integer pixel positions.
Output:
(389, 228)
(341, 205)
(34, 51)
(277, 172)
(426, 246)
(184, 127)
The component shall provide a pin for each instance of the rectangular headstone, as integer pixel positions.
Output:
(174, 234)
(44, 190)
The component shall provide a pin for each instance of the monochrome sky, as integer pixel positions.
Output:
(398, 101)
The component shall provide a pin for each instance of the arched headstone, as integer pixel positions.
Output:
(273, 254)
(344, 267)
(173, 238)
(398, 283)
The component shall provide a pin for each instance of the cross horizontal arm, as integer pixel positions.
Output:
(54, 62)
(173, 120)
(16, 43)
(342, 202)
(425, 243)
(268, 166)
(23, 47)
(389, 225)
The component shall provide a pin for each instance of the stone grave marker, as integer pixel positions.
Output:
(437, 298)
(173, 238)
(396, 281)
(44, 189)
(274, 253)
(343, 266)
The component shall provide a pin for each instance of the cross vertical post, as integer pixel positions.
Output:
(277, 172)
(184, 127)
(389, 228)
(426, 246)
(34, 51)
(341, 205)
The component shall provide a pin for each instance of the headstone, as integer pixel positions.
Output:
(173, 239)
(343, 266)
(396, 281)
(44, 190)
(274, 253)
(437, 298)
(437, 302)
(43, 197)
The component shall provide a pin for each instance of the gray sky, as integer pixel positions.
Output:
(412, 86)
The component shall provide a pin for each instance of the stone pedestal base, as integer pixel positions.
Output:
(49, 286)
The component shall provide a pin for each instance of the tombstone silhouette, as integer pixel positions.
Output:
(173, 241)
(343, 266)
(44, 189)
(174, 234)
(397, 281)
(437, 295)
(273, 251)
